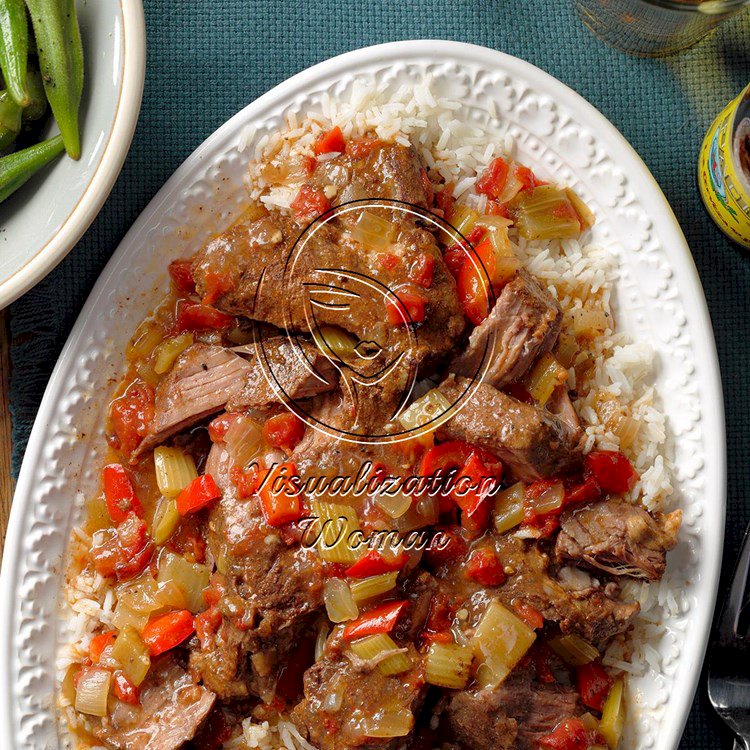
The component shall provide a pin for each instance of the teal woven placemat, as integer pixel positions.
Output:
(208, 58)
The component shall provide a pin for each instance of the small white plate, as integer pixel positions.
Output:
(659, 302)
(41, 222)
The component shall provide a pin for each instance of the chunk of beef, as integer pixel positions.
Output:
(300, 371)
(344, 697)
(532, 442)
(335, 281)
(389, 171)
(619, 538)
(590, 613)
(523, 324)
(202, 380)
(170, 712)
(512, 716)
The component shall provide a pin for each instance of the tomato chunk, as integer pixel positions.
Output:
(612, 471)
(445, 201)
(407, 308)
(484, 567)
(124, 689)
(279, 495)
(199, 494)
(217, 427)
(181, 272)
(217, 284)
(330, 141)
(164, 632)
(246, 481)
(593, 684)
(382, 619)
(359, 148)
(372, 563)
(284, 431)
(119, 493)
(99, 643)
(492, 181)
(310, 203)
(196, 316)
(130, 416)
(422, 271)
(125, 551)
(530, 615)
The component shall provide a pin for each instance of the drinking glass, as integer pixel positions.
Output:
(655, 27)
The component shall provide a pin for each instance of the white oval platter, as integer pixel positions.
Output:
(659, 301)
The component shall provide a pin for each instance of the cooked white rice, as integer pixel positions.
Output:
(577, 274)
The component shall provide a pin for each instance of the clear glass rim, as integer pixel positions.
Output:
(722, 6)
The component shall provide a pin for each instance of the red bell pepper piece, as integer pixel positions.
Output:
(593, 684)
(406, 308)
(484, 567)
(279, 495)
(181, 272)
(477, 281)
(99, 643)
(330, 141)
(612, 471)
(119, 493)
(492, 181)
(195, 316)
(199, 494)
(569, 734)
(284, 431)
(372, 563)
(382, 619)
(164, 632)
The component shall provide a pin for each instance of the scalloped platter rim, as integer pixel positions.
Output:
(660, 301)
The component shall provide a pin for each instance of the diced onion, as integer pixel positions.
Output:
(617, 420)
(335, 340)
(97, 515)
(368, 588)
(388, 723)
(132, 654)
(373, 231)
(192, 578)
(336, 526)
(499, 642)
(546, 375)
(573, 649)
(340, 605)
(448, 665)
(590, 722)
(508, 511)
(244, 440)
(566, 350)
(393, 504)
(166, 520)
(144, 341)
(512, 186)
(382, 649)
(124, 616)
(167, 352)
(68, 685)
(320, 640)
(613, 715)
(551, 499)
(92, 692)
(427, 510)
(174, 468)
(506, 269)
(587, 323)
(426, 408)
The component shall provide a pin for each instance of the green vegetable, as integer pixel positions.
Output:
(37, 106)
(17, 168)
(14, 48)
(10, 119)
(58, 41)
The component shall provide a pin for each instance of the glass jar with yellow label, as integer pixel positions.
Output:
(724, 170)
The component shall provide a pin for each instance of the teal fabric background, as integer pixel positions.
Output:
(209, 58)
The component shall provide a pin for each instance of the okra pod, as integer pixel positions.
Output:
(17, 168)
(58, 42)
(37, 105)
(10, 119)
(14, 48)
